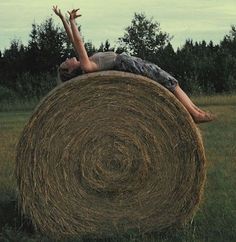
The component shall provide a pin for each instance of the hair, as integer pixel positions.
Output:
(65, 75)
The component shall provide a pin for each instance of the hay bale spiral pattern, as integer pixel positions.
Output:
(107, 153)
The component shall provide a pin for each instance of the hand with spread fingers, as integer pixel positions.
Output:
(57, 11)
(73, 14)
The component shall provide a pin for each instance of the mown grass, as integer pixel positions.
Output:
(216, 218)
(212, 100)
(18, 105)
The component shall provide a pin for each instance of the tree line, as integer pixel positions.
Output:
(30, 70)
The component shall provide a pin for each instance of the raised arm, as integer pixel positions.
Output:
(57, 11)
(85, 63)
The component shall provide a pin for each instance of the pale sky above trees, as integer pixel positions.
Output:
(107, 19)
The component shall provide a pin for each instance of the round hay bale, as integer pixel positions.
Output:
(107, 153)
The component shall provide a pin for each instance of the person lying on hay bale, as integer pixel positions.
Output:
(101, 61)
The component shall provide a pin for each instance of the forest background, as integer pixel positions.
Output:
(30, 71)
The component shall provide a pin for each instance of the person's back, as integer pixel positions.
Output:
(104, 60)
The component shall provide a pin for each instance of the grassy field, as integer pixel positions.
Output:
(216, 218)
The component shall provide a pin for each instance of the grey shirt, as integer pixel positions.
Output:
(104, 60)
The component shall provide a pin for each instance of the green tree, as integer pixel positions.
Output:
(225, 64)
(144, 38)
(106, 47)
(166, 59)
(12, 63)
(196, 66)
(90, 48)
(229, 41)
(46, 47)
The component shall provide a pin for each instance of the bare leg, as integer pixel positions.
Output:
(199, 116)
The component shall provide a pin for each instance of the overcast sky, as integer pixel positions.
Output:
(107, 19)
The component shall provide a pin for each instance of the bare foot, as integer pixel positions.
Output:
(198, 109)
(203, 117)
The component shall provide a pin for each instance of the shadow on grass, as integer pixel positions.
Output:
(15, 228)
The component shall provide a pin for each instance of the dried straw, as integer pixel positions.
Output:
(107, 153)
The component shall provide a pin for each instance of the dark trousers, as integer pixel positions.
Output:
(136, 65)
